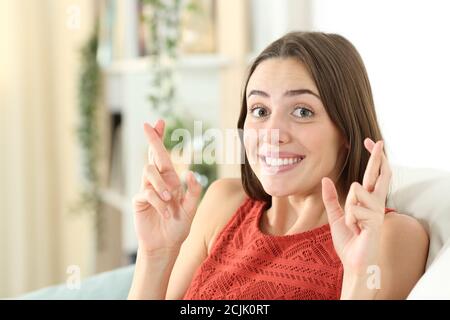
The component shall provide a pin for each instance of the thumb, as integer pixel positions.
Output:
(193, 192)
(331, 200)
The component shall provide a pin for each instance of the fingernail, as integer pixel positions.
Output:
(166, 195)
(158, 121)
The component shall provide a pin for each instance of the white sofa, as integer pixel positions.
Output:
(425, 194)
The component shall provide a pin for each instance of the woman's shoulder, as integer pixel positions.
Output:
(403, 254)
(395, 221)
(226, 192)
(223, 198)
(405, 229)
(228, 186)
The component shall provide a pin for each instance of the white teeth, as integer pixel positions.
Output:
(276, 162)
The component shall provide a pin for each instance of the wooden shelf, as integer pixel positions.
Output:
(142, 64)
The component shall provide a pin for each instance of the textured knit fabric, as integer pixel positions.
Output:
(246, 263)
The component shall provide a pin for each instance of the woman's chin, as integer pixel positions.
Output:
(277, 191)
(278, 194)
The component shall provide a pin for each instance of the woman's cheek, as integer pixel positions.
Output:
(252, 151)
(250, 145)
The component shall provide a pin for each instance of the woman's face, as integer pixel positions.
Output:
(290, 141)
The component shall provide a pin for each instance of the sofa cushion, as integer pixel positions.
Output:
(435, 283)
(111, 285)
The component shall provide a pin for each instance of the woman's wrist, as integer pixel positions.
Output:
(152, 272)
(359, 286)
(160, 253)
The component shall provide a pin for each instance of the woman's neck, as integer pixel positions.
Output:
(295, 214)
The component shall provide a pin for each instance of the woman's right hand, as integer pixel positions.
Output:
(163, 211)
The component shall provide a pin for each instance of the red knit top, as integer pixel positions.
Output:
(246, 263)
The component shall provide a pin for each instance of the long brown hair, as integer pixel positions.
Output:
(341, 78)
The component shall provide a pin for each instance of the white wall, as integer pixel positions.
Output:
(406, 49)
(271, 19)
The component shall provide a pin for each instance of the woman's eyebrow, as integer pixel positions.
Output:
(289, 93)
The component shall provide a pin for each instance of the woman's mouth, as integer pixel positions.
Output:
(274, 165)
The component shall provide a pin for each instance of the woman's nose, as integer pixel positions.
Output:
(276, 131)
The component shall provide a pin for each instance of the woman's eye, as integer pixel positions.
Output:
(258, 112)
(303, 112)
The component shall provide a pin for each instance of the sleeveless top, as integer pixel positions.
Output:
(247, 264)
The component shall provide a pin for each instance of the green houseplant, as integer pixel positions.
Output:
(163, 21)
(87, 131)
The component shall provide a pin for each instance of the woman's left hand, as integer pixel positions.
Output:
(356, 229)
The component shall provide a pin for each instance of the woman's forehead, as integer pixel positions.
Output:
(276, 75)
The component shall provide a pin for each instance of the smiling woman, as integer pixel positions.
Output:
(308, 219)
(335, 91)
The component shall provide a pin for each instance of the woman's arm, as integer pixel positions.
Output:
(383, 255)
(163, 215)
(151, 274)
(167, 274)
(404, 252)
(153, 271)
(402, 260)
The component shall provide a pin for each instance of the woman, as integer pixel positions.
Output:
(308, 218)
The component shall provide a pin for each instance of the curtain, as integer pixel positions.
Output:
(39, 160)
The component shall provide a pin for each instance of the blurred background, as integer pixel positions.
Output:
(78, 78)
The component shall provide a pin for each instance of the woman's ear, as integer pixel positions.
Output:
(344, 141)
